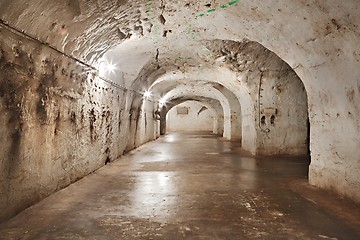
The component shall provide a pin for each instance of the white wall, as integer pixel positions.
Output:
(148, 128)
(283, 98)
(191, 121)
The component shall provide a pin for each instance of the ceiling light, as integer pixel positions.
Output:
(110, 67)
(147, 94)
(106, 67)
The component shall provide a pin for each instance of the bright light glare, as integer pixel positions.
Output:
(106, 67)
(147, 94)
(110, 67)
(162, 102)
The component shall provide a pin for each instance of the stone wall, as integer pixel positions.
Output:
(59, 121)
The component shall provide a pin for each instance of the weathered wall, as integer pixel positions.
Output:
(283, 117)
(277, 98)
(235, 117)
(197, 119)
(335, 132)
(59, 122)
(148, 126)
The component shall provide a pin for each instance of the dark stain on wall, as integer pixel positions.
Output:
(46, 81)
(108, 158)
(12, 90)
(73, 117)
(41, 104)
(119, 119)
(92, 120)
(108, 137)
(57, 123)
(16, 142)
(350, 94)
(82, 115)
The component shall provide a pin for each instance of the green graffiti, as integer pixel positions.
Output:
(222, 6)
(233, 2)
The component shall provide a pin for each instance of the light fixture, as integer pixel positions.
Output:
(106, 67)
(110, 67)
(147, 94)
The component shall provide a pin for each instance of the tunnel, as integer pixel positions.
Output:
(89, 83)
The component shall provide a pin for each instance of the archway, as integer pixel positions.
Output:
(190, 116)
(163, 85)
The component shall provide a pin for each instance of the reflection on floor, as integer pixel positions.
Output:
(190, 186)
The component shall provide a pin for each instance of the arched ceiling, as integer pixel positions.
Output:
(198, 90)
(148, 38)
(165, 90)
(140, 30)
(212, 104)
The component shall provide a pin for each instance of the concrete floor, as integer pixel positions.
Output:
(190, 186)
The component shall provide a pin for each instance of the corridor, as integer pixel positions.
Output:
(190, 186)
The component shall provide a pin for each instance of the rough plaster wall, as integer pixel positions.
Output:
(193, 121)
(219, 120)
(65, 24)
(235, 115)
(283, 114)
(335, 139)
(272, 85)
(148, 125)
(59, 122)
